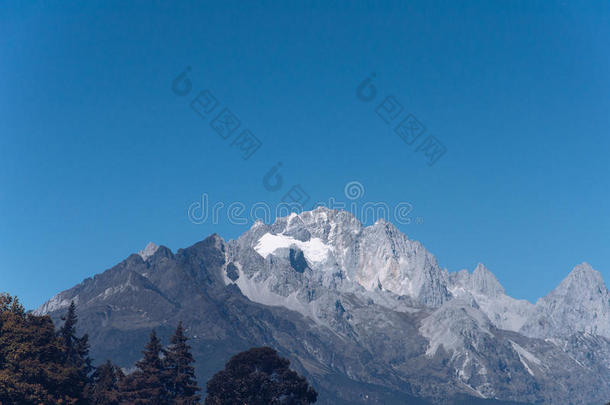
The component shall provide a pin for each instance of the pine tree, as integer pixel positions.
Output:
(82, 350)
(182, 384)
(104, 389)
(76, 349)
(147, 385)
(75, 355)
(67, 332)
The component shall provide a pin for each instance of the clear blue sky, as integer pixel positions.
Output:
(98, 156)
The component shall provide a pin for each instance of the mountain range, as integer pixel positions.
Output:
(364, 312)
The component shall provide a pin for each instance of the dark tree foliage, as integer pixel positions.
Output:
(147, 385)
(41, 366)
(67, 332)
(104, 389)
(75, 354)
(33, 369)
(182, 383)
(259, 377)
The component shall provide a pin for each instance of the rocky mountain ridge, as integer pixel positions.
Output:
(362, 305)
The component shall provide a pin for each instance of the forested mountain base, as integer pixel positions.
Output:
(39, 365)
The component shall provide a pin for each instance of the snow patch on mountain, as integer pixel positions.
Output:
(525, 357)
(315, 250)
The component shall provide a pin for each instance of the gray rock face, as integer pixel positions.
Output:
(482, 286)
(484, 282)
(335, 244)
(581, 303)
(365, 313)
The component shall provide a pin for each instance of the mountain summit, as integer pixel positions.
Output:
(484, 282)
(148, 251)
(363, 311)
(581, 303)
(377, 257)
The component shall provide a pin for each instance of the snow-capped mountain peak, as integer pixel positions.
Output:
(376, 257)
(361, 303)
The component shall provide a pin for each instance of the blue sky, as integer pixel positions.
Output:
(98, 155)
